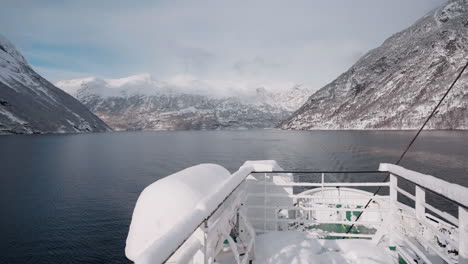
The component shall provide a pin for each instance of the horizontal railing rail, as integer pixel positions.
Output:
(321, 171)
(444, 234)
(384, 170)
(454, 193)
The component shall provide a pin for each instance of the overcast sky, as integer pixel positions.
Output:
(307, 41)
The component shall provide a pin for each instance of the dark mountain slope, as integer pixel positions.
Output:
(30, 104)
(396, 85)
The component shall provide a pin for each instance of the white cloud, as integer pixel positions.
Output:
(257, 41)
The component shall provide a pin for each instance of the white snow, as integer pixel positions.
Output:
(169, 211)
(276, 95)
(12, 117)
(449, 11)
(11, 50)
(294, 247)
(183, 201)
(161, 248)
(142, 84)
(13, 68)
(452, 191)
(164, 205)
(262, 165)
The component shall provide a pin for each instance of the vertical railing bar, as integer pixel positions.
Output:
(205, 242)
(420, 204)
(323, 182)
(462, 235)
(265, 202)
(276, 219)
(394, 220)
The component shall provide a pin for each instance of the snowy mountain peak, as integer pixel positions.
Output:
(140, 102)
(453, 9)
(31, 104)
(260, 90)
(289, 99)
(142, 78)
(143, 84)
(9, 52)
(396, 85)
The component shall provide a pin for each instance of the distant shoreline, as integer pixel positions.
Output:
(232, 130)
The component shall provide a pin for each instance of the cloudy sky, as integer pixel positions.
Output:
(297, 41)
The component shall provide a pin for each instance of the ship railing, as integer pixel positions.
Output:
(255, 203)
(212, 231)
(416, 231)
(287, 203)
(422, 227)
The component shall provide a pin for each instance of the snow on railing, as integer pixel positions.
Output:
(328, 203)
(427, 230)
(259, 198)
(201, 228)
(163, 248)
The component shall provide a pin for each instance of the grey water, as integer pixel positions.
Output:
(69, 198)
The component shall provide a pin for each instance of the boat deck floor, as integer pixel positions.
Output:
(295, 247)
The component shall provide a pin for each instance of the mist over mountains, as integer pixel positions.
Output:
(141, 102)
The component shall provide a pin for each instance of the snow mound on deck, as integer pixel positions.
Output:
(299, 247)
(166, 202)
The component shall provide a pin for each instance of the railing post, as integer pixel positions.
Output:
(276, 219)
(323, 182)
(393, 211)
(463, 235)
(420, 204)
(206, 250)
(265, 203)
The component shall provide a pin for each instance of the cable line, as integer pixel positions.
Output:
(414, 139)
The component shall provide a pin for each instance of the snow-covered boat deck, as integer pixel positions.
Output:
(263, 214)
(295, 247)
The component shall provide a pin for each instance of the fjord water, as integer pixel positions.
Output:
(69, 198)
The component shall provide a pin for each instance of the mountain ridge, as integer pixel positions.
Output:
(29, 104)
(397, 84)
(140, 102)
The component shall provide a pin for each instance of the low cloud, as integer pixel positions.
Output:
(258, 41)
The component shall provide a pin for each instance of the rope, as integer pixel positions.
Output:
(414, 139)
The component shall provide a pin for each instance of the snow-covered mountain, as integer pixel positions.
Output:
(396, 85)
(30, 104)
(141, 102)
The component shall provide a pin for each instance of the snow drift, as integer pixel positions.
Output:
(164, 204)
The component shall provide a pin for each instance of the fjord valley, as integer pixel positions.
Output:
(234, 132)
(390, 87)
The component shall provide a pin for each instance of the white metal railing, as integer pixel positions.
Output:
(306, 206)
(259, 199)
(413, 227)
(193, 239)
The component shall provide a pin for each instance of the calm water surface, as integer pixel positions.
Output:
(69, 198)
